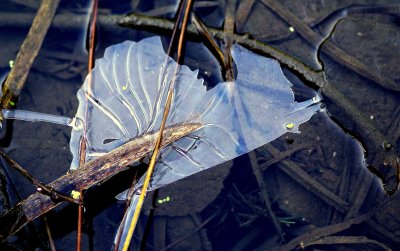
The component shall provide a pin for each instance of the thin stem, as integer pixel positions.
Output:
(48, 231)
(121, 229)
(42, 188)
(82, 157)
(159, 138)
(79, 229)
(128, 202)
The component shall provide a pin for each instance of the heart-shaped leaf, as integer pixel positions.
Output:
(127, 98)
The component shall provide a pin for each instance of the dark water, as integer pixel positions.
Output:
(316, 182)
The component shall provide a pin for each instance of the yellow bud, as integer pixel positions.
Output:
(75, 194)
(289, 126)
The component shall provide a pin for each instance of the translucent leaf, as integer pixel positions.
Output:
(129, 90)
(237, 117)
(128, 93)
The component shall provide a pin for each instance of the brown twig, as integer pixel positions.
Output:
(79, 223)
(28, 52)
(229, 31)
(82, 155)
(48, 231)
(374, 138)
(280, 157)
(363, 184)
(344, 181)
(379, 229)
(86, 176)
(42, 188)
(161, 25)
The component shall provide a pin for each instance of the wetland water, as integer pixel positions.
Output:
(314, 182)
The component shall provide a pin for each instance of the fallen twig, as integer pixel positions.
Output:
(28, 52)
(86, 176)
(42, 188)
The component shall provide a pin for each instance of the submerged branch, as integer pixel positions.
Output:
(330, 48)
(323, 232)
(158, 24)
(346, 240)
(385, 162)
(93, 172)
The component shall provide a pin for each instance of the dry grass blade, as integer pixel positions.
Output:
(180, 12)
(203, 30)
(128, 202)
(159, 139)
